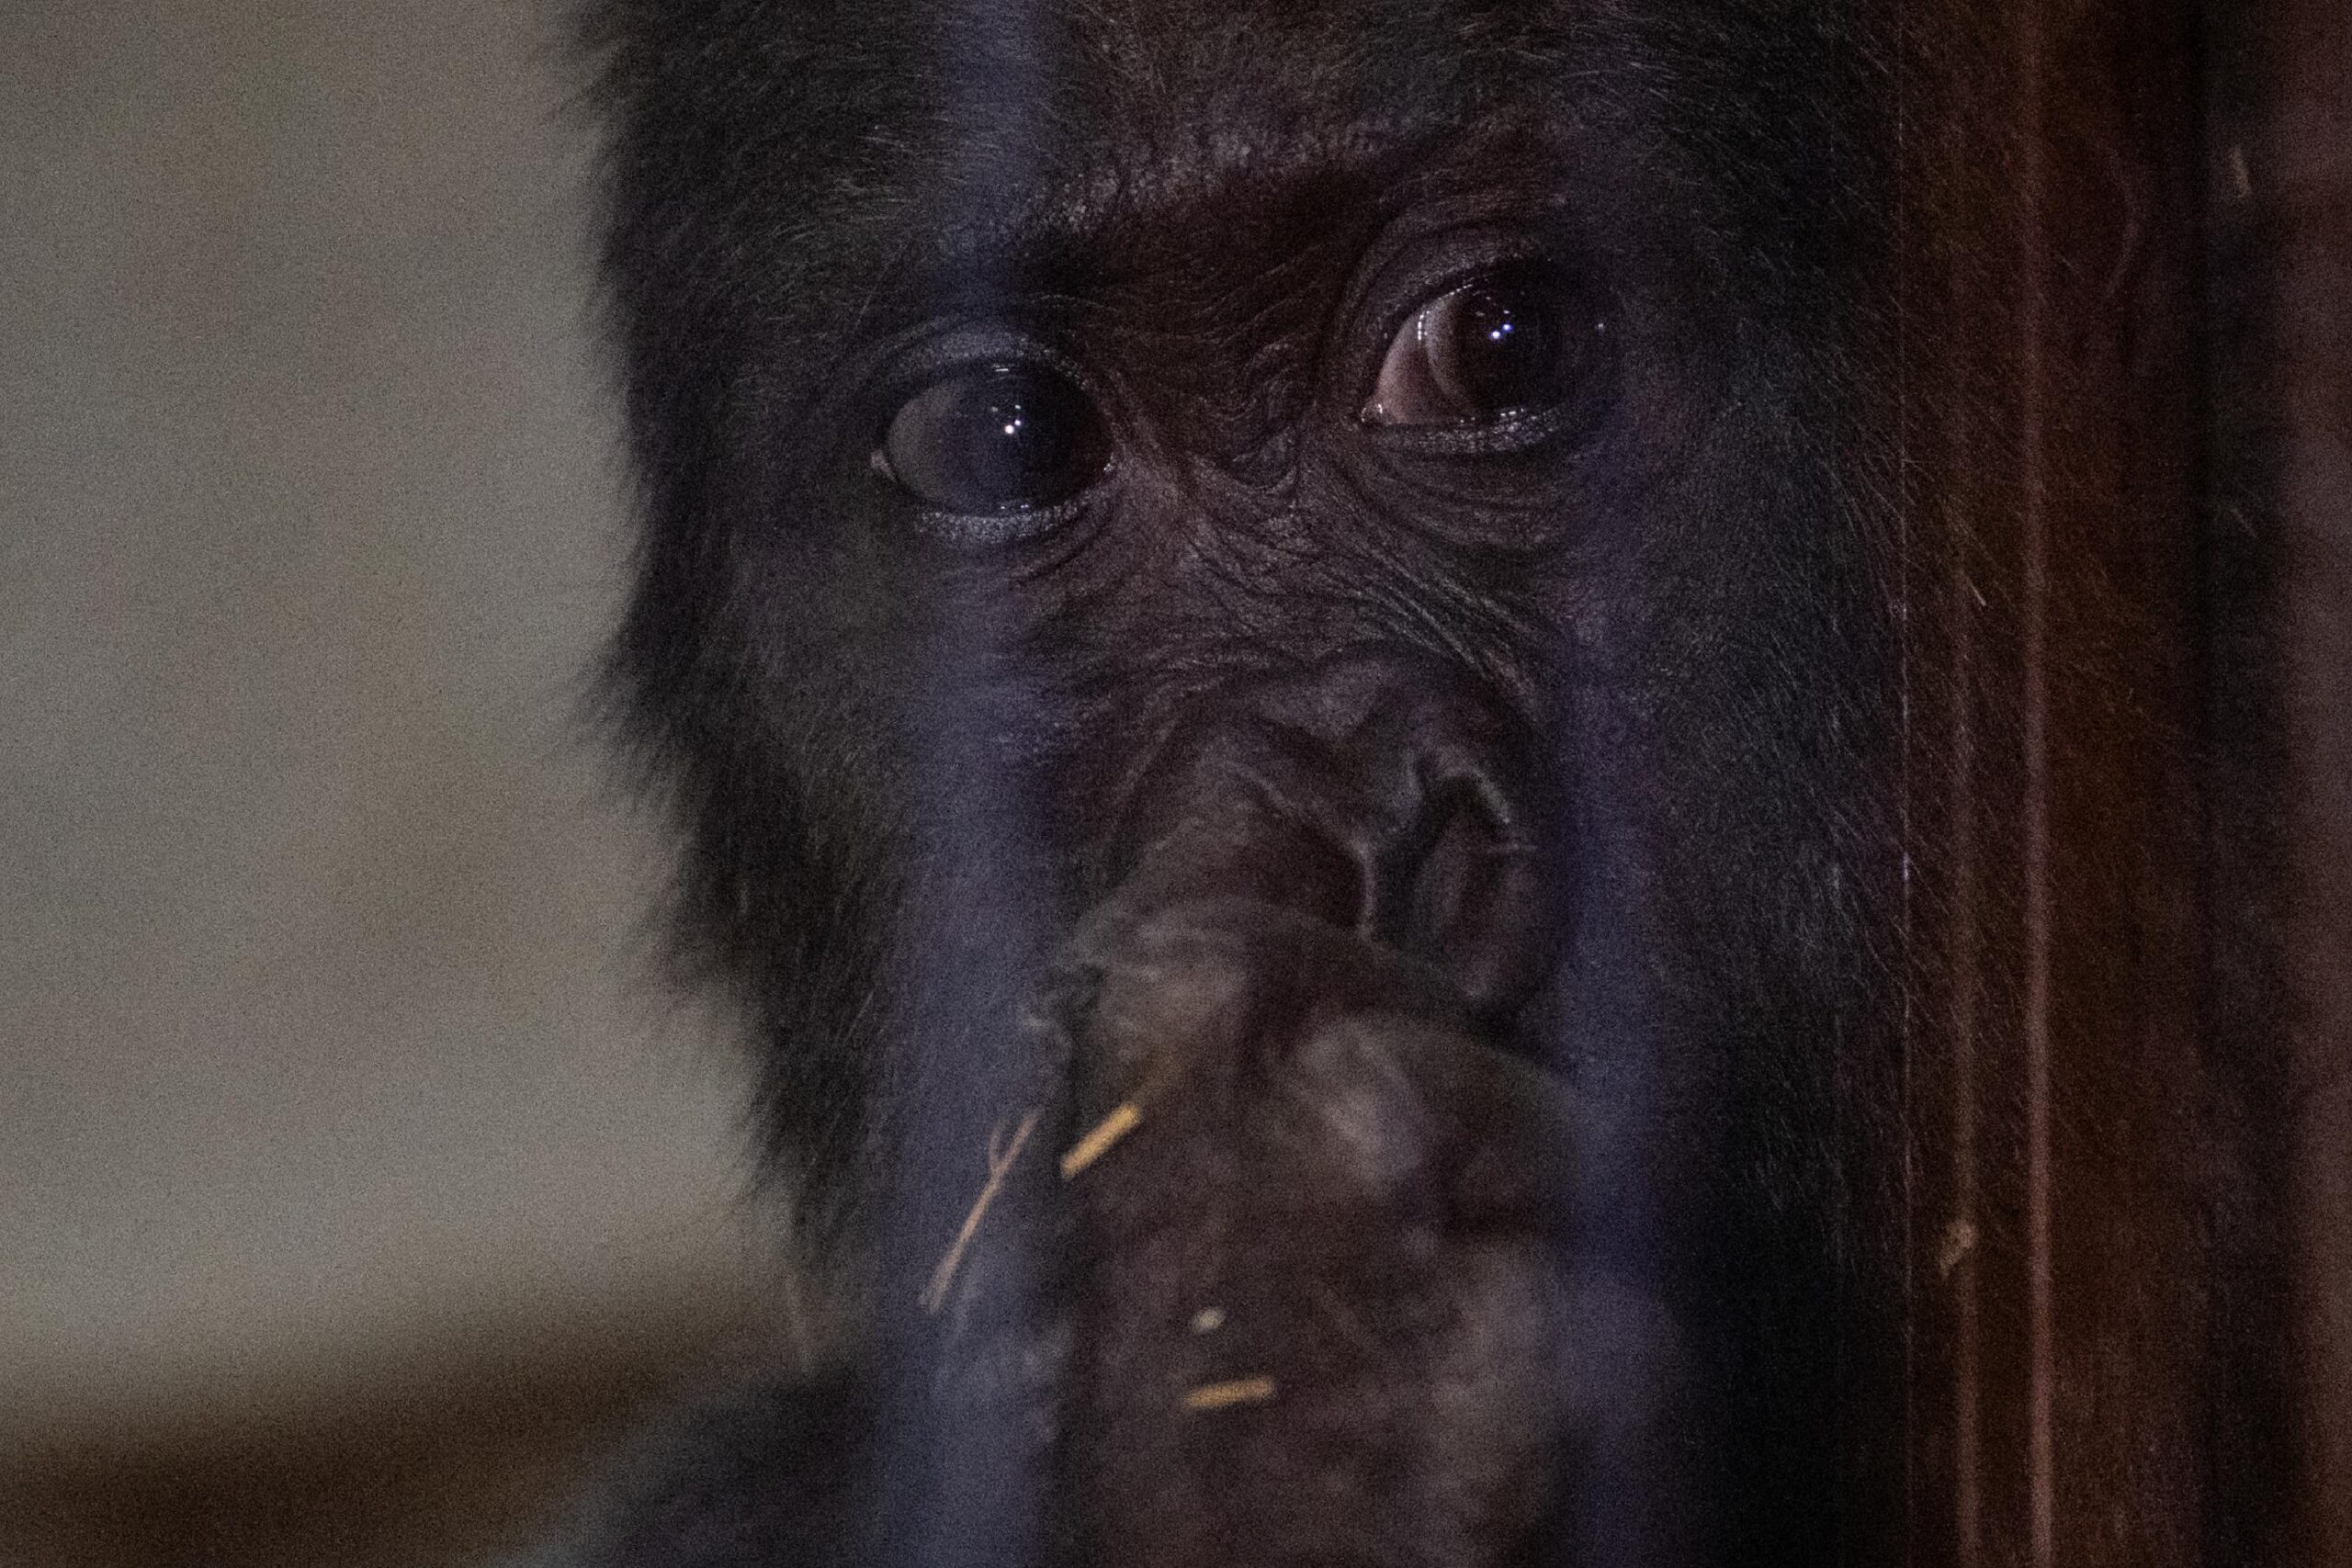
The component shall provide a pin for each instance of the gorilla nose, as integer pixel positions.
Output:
(1381, 792)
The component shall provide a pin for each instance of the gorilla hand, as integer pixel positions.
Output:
(1322, 1296)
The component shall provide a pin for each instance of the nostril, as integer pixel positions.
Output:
(1379, 795)
(1411, 874)
(1450, 872)
(1496, 933)
(1463, 892)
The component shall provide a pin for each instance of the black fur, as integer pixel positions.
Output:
(960, 823)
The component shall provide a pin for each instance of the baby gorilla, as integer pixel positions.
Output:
(1268, 675)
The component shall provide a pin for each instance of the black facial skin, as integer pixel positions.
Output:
(1310, 572)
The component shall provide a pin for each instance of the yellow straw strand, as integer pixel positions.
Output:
(1095, 1145)
(1225, 1395)
(934, 1295)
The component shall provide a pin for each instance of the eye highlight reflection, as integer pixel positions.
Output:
(993, 439)
(1509, 343)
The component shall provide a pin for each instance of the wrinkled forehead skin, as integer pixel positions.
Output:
(769, 159)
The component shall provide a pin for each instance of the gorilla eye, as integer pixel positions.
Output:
(995, 439)
(1514, 341)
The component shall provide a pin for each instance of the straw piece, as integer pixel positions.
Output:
(1096, 1143)
(1223, 1395)
(1001, 1158)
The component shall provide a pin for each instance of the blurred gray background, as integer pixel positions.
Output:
(330, 1075)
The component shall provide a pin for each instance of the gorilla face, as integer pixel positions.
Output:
(1261, 624)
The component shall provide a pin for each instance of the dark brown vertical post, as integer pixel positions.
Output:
(2279, 284)
(2051, 442)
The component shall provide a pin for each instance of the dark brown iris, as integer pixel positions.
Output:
(1510, 342)
(995, 439)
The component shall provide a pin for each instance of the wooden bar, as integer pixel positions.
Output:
(2051, 458)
